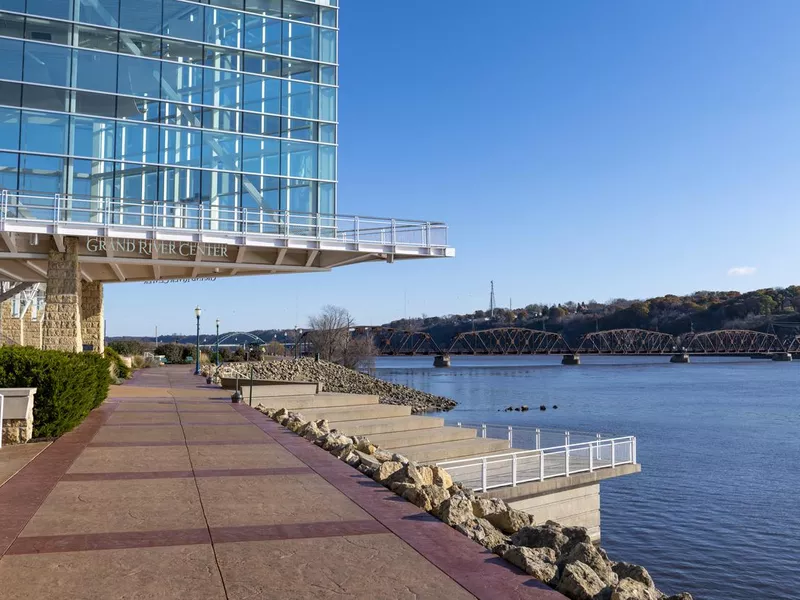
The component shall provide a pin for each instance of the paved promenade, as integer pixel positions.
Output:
(170, 491)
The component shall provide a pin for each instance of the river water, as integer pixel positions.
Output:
(716, 509)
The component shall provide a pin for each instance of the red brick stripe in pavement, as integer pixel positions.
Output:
(133, 475)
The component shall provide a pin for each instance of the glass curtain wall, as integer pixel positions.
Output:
(170, 105)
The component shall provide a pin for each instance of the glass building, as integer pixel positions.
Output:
(227, 104)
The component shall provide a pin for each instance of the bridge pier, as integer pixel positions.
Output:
(441, 361)
(782, 357)
(571, 359)
(680, 359)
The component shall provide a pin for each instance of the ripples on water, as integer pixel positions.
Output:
(716, 509)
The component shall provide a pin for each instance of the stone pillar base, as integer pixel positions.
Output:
(62, 324)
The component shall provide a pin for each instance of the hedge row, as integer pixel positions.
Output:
(123, 370)
(68, 385)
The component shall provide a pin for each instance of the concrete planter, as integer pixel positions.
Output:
(17, 414)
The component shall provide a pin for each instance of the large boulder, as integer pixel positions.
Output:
(588, 555)
(628, 589)
(426, 497)
(628, 571)
(578, 535)
(579, 582)
(384, 473)
(364, 445)
(483, 507)
(311, 431)
(537, 562)
(419, 475)
(442, 478)
(382, 455)
(456, 510)
(351, 458)
(279, 414)
(548, 535)
(510, 520)
(483, 532)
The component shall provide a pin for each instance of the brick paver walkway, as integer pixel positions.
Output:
(170, 491)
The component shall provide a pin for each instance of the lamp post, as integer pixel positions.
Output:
(197, 313)
(218, 343)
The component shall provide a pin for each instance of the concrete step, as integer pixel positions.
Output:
(320, 401)
(422, 436)
(277, 390)
(371, 427)
(452, 450)
(356, 413)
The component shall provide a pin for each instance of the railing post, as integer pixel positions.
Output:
(510, 437)
(633, 450)
(428, 235)
(513, 469)
(541, 466)
(58, 208)
(483, 431)
(566, 438)
(484, 474)
(613, 455)
(538, 438)
(599, 438)
(591, 458)
(458, 424)
(394, 232)
(566, 460)
(356, 226)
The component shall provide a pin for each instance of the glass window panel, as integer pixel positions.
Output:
(298, 129)
(261, 155)
(97, 39)
(96, 71)
(97, 12)
(261, 124)
(262, 94)
(223, 27)
(180, 185)
(327, 133)
(9, 163)
(300, 11)
(299, 99)
(10, 93)
(261, 192)
(44, 132)
(225, 120)
(183, 20)
(222, 88)
(328, 16)
(92, 137)
(299, 41)
(266, 7)
(139, 76)
(327, 104)
(223, 58)
(137, 142)
(298, 69)
(180, 147)
(327, 162)
(139, 182)
(262, 34)
(89, 103)
(181, 83)
(46, 98)
(9, 128)
(44, 30)
(221, 150)
(180, 114)
(328, 75)
(19, 5)
(299, 198)
(237, 4)
(140, 15)
(137, 44)
(327, 198)
(46, 64)
(60, 9)
(299, 159)
(90, 178)
(137, 109)
(262, 65)
(184, 52)
(11, 64)
(327, 45)
(12, 25)
(221, 191)
(41, 174)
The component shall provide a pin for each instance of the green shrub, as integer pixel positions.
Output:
(68, 386)
(123, 371)
(127, 347)
(138, 362)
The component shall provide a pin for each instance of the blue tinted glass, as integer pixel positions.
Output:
(44, 132)
(98, 12)
(180, 147)
(300, 197)
(262, 94)
(327, 133)
(327, 198)
(222, 88)
(261, 192)
(60, 9)
(327, 46)
(180, 185)
(140, 15)
(222, 190)
(9, 128)
(8, 170)
(46, 64)
(181, 83)
(327, 104)
(96, 71)
(327, 75)
(43, 174)
(299, 41)
(183, 20)
(262, 34)
(261, 124)
(299, 159)
(137, 182)
(299, 99)
(327, 162)
(223, 27)
(221, 150)
(137, 142)
(92, 137)
(11, 64)
(226, 120)
(90, 178)
(267, 7)
(16, 5)
(328, 17)
(261, 155)
(139, 76)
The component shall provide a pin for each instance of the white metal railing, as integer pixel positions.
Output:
(525, 466)
(197, 216)
(533, 438)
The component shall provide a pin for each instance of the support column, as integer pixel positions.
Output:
(92, 323)
(62, 321)
(32, 328)
(11, 326)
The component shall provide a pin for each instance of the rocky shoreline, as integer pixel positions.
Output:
(335, 378)
(563, 558)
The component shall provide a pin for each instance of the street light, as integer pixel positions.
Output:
(218, 343)
(197, 312)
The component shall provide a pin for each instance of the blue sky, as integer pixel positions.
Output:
(578, 150)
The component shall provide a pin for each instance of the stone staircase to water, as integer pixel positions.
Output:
(392, 427)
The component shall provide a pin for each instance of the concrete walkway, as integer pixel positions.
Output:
(169, 491)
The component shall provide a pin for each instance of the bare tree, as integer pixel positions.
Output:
(331, 338)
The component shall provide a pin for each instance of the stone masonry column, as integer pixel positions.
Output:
(11, 326)
(92, 323)
(62, 321)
